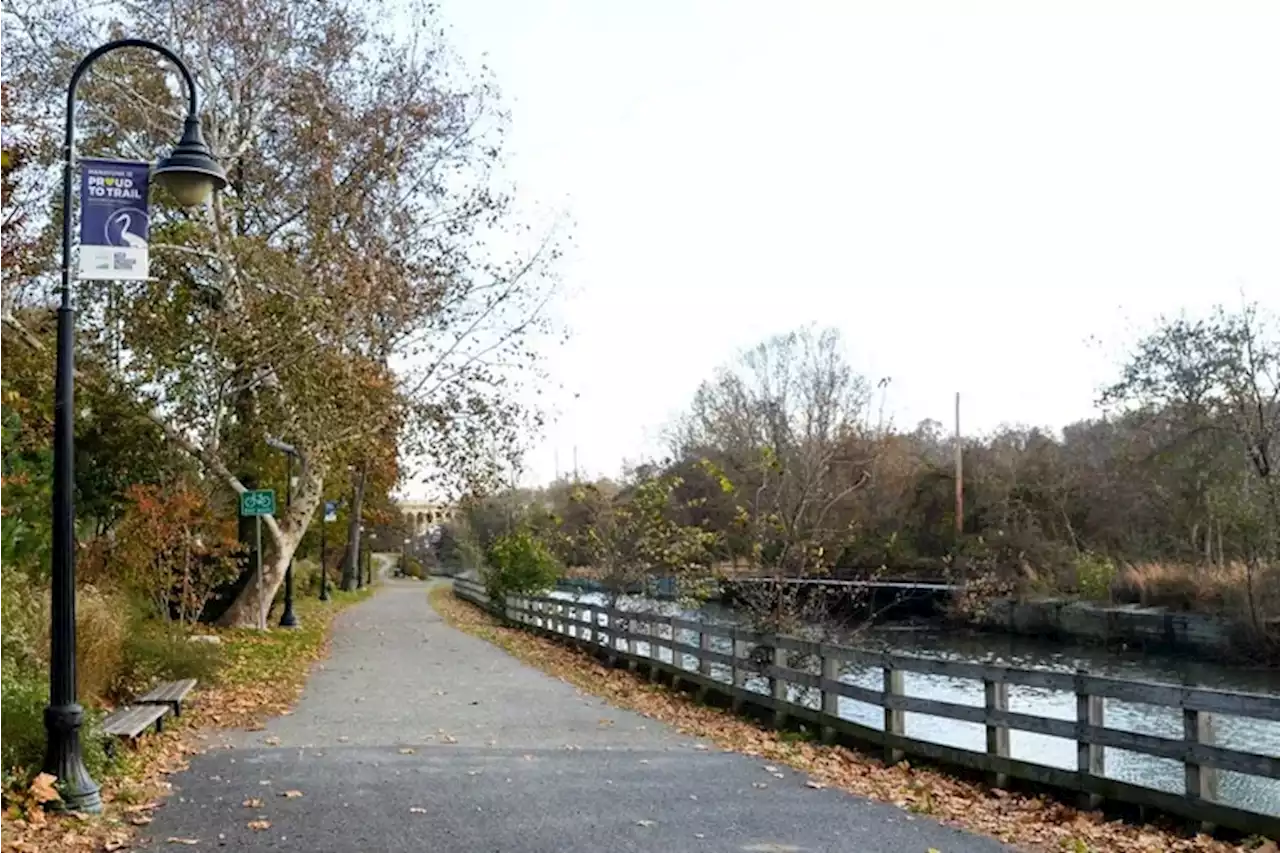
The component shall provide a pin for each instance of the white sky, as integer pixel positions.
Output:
(970, 198)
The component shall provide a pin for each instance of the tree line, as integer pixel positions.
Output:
(783, 465)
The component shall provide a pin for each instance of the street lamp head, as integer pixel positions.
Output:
(190, 173)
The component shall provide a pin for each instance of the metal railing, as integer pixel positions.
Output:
(799, 679)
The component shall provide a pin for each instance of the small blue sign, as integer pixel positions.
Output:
(330, 510)
(114, 219)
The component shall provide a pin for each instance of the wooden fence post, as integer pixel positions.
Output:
(737, 672)
(704, 662)
(895, 720)
(1201, 780)
(830, 698)
(655, 650)
(778, 687)
(612, 617)
(1089, 756)
(997, 699)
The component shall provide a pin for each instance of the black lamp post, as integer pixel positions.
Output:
(368, 559)
(324, 575)
(191, 174)
(287, 619)
(360, 543)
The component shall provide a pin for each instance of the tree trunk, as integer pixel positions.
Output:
(244, 611)
(351, 560)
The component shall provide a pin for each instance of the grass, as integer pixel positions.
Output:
(1032, 822)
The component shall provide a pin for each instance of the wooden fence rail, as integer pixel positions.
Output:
(802, 681)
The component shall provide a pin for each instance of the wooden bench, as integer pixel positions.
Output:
(131, 721)
(170, 693)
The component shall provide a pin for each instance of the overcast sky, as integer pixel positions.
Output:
(969, 198)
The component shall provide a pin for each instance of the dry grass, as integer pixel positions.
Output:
(1034, 823)
(101, 625)
(1228, 590)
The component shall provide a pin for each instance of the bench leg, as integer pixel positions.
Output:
(159, 724)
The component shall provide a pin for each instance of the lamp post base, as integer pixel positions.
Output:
(287, 619)
(79, 792)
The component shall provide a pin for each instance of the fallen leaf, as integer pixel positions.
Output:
(271, 741)
(417, 810)
(173, 839)
(252, 803)
(291, 794)
(408, 750)
(815, 785)
(449, 739)
(646, 823)
(259, 825)
(140, 819)
(42, 790)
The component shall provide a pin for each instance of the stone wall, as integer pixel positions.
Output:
(1130, 624)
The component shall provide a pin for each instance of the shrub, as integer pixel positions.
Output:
(22, 704)
(1094, 576)
(170, 547)
(24, 612)
(519, 563)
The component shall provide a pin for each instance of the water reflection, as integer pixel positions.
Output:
(1238, 789)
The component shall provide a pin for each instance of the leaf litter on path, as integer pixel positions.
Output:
(1033, 822)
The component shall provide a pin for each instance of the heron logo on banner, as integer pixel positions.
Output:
(114, 221)
(330, 511)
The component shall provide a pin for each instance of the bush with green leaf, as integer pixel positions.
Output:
(519, 564)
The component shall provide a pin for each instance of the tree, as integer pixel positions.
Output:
(637, 535)
(1216, 383)
(342, 286)
(788, 426)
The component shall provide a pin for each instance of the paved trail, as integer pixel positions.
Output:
(416, 737)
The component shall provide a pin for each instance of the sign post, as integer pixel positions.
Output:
(114, 221)
(257, 504)
(330, 515)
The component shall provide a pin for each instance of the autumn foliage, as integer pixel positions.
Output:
(171, 547)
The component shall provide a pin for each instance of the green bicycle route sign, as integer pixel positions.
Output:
(260, 502)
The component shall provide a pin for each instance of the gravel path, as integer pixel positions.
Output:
(414, 737)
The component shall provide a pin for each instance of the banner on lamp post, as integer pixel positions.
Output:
(330, 511)
(114, 221)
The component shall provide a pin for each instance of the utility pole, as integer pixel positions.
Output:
(959, 474)
(575, 463)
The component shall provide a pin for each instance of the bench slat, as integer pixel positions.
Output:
(132, 721)
(170, 691)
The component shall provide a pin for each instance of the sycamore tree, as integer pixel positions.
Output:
(346, 287)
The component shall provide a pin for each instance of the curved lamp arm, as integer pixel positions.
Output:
(192, 125)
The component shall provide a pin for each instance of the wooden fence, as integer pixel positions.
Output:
(801, 680)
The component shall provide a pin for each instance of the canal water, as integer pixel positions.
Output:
(1238, 789)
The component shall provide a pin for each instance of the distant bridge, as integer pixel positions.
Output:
(423, 516)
